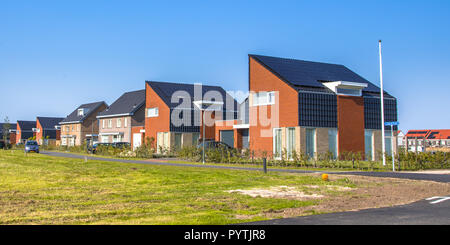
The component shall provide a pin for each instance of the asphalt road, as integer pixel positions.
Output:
(423, 212)
(416, 176)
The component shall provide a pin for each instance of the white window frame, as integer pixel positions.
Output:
(80, 112)
(153, 112)
(109, 123)
(119, 123)
(288, 150)
(269, 98)
(274, 145)
(103, 123)
(125, 122)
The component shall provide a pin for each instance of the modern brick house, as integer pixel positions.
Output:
(314, 108)
(24, 131)
(173, 120)
(81, 126)
(46, 130)
(118, 120)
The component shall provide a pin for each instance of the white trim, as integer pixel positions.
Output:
(70, 122)
(216, 105)
(91, 135)
(114, 133)
(142, 131)
(334, 86)
(238, 126)
(115, 115)
(68, 136)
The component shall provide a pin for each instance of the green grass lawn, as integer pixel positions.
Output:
(39, 189)
(346, 165)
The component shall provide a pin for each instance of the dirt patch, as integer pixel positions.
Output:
(371, 192)
(286, 192)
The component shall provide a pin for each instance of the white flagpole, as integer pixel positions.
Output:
(382, 107)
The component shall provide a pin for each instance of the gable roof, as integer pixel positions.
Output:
(26, 125)
(307, 74)
(417, 133)
(126, 104)
(439, 134)
(429, 134)
(74, 118)
(49, 123)
(165, 90)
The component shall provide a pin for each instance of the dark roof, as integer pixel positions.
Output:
(11, 126)
(74, 118)
(127, 104)
(300, 73)
(165, 90)
(26, 125)
(49, 122)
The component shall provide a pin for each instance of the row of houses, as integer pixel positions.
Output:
(292, 105)
(425, 140)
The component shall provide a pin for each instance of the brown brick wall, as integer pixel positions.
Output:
(40, 133)
(350, 124)
(153, 125)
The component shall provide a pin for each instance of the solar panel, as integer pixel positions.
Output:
(307, 73)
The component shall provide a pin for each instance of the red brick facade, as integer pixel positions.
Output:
(350, 124)
(261, 79)
(40, 131)
(153, 125)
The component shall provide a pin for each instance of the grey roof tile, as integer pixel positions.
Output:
(128, 103)
(91, 107)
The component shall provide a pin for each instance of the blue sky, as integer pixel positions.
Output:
(56, 55)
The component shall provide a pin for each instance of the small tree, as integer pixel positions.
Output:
(5, 129)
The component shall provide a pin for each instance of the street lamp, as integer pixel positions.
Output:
(206, 106)
(382, 106)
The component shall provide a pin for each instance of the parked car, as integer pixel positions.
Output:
(31, 146)
(121, 145)
(92, 149)
(210, 144)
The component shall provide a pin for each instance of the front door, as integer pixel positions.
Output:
(137, 140)
(227, 137)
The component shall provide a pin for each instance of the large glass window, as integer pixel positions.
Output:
(310, 142)
(290, 142)
(277, 143)
(105, 139)
(368, 139)
(195, 137)
(388, 142)
(332, 142)
(178, 141)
